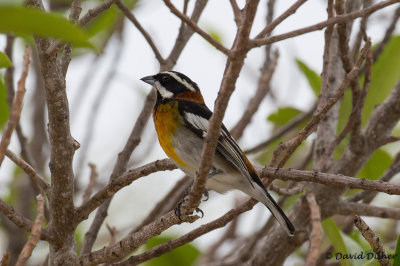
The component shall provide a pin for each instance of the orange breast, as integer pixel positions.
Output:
(166, 121)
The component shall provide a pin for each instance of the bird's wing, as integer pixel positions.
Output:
(197, 119)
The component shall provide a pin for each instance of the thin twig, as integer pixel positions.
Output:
(145, 34)
(362, 209)
(16, 107)
(117, 183)
(92, 183)
(39, 180)
(319, 26)
(296, 189)
(167, 203)
(22, 222)
(254, 103)
(282, 131)
(368, 196)
(35, 233)
(113, 233)
(372, 239)
(196, 28)
(316, 230)
(236, 11)
(320, 114)
(337, 180)
(88, 17)
(290, 11)
(388, 35)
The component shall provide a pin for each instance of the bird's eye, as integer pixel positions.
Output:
(165, 78)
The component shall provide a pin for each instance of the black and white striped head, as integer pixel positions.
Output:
(172, 84)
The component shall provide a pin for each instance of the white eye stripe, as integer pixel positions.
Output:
(164, 92)
(180, 80)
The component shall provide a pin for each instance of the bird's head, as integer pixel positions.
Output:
(174, 85)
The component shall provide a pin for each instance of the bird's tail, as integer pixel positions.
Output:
(279, 214)
(263, 196)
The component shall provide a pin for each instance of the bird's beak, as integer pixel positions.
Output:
(149, 80)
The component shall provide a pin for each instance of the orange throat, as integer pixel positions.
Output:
(166, 121)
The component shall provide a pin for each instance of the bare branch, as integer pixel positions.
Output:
(320, 114)
(172, 244)
(253, 105)
(290, 11)
(145, 34)
(16, 107)
(282, 131)
(373, 240)
(94, 12)
(319, 26)
(92, 183)
(196, 28)
(337, 180)
(35, 233)
(21, 221)
(316, 230)
(119, 182)
(88, 17)
(39, 180)
(236, 11)
(368, 196)
(167, 203)
(298, 188)
(362, 209)
(388, 34)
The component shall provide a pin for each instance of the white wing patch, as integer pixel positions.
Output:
(183, 82)
(197, 122)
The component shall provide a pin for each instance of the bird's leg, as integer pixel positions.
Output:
(178, 206)
(205, 194)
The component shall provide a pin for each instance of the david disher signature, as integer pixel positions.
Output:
(359, 256)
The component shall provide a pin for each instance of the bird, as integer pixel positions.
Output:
(181, 119)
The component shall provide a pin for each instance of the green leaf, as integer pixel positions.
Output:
(22, 21)
(385, 74)
(4, 112)
(216, 35)
(283, 115)
(333, 233)
(312, 77)
(376, 165)
(396, 261)
(184, 255)
(4, 60)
